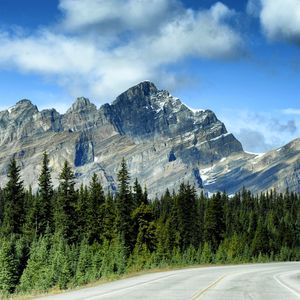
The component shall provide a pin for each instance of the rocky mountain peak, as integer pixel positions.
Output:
(22, 107)
(23, 104)
(162, 139)
(82, 104)
(137, 93)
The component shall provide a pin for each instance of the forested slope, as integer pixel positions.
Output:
(65, 237)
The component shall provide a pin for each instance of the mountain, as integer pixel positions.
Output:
(163, 141)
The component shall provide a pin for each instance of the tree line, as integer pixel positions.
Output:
(65, 237)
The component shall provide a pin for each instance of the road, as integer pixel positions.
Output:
(274, 281)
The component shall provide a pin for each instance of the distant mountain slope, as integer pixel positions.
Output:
(278, 169)
(163, 141)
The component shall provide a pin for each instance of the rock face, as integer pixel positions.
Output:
(163, 141)
(278, 169)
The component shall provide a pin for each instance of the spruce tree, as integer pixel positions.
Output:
(30, 228)
(138, 195)
(8, 267)
(2, 200)
(109, 230)
(214, 226)
(81, 211)
(95, 210)
(186, 205)
(13, 218)
(65, 209)
(124, 208)
(260, 242)
(144, 226)
(44, 217)
(37, 275)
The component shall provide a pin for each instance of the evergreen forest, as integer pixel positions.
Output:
(66, 237)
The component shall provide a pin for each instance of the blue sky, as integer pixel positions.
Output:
(240, 59)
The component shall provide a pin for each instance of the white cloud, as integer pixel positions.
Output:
(48, 53)
(291, 111)
(115, 15)
(100, 48)
(280, 19)
(263, 131)
(200, 34)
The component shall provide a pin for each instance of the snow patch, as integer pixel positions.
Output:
(254, 153)
(220, 136)
(257, 155)
(205, 174)
(194, 110)
(215, 139)
(160, 99)
(211, 181)
(10, 109)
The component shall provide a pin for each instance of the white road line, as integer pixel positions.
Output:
(285, 286)
(128, 288)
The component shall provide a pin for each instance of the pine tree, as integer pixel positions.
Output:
(139, 196)
(14, 217)
(60, 262)
(186, 205)
(37, 275)
(144, 226)
(260, 243)
(109, 230)
(95, 210)
(30, 228)
(206, 254)
(166, 204)
(65, 209)
(84, 265)
(124, 208)
(8, 267)
(82, 211)
(214, 226)
(2, 201)
(44, 217)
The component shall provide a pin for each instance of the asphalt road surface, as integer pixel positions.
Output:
(274, 281)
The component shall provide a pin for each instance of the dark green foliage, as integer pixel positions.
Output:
(82, 212)
(95, 207)
(84, 264)
(260, 243)
(61, 266)
(124, 206)
(144, 226)
(187, 216)
(8, 267)
(38, 275)
(44, 213)
(139, 196)
(109, 217)
(67, 237)
(214, 221)
(2, 201)
(65, 217)
(14, 216)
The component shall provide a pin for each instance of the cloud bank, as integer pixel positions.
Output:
(291, 111)
(99, 48)
(264, 131)
(280, 20)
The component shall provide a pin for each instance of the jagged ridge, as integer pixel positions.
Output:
(163, 141)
